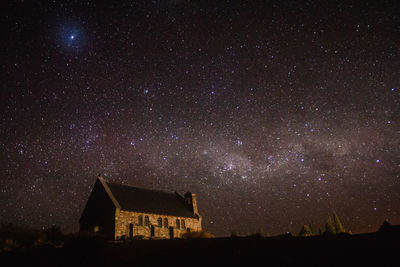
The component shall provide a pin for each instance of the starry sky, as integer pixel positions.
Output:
(275, 113)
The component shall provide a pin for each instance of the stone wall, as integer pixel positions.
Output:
(125, 221)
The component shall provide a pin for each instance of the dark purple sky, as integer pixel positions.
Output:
(276, 113)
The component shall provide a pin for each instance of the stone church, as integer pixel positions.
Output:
(119, 211)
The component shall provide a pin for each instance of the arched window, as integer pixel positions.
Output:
(140, 220)
(166, 222)
(159, 222)
(178, 224)
(146, 221)
(183, 224)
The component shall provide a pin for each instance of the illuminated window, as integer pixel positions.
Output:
(140, 221)
(165, 222)
(178, 224)
(146, 221)
(183, 224)
(159, 222)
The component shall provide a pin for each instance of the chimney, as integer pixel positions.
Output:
(191, 201)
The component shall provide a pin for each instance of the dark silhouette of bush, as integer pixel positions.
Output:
(16, 237)
(54, 235)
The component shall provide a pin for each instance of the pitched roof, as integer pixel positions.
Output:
(147, 200)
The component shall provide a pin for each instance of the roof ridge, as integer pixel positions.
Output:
(142, 188)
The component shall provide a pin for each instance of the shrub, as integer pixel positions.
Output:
(329, 227)
(334, 227)
(15, 237)
(262, 233)
(339, 228)
(306, 230)
(53, 234)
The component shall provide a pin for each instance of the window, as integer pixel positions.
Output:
(178, 224)
(146, 221)
(140, 221)
(183, 224)
(165, 222)
(159, 222)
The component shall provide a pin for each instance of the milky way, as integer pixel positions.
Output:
(275, 114)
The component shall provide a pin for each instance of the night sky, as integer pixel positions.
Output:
(275, 113)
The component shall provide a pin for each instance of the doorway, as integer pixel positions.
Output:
(152, 231)
(171, 232)
(130, 230)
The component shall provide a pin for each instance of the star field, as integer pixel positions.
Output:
(275, 114)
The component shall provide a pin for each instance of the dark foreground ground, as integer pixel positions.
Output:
(374, 249)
